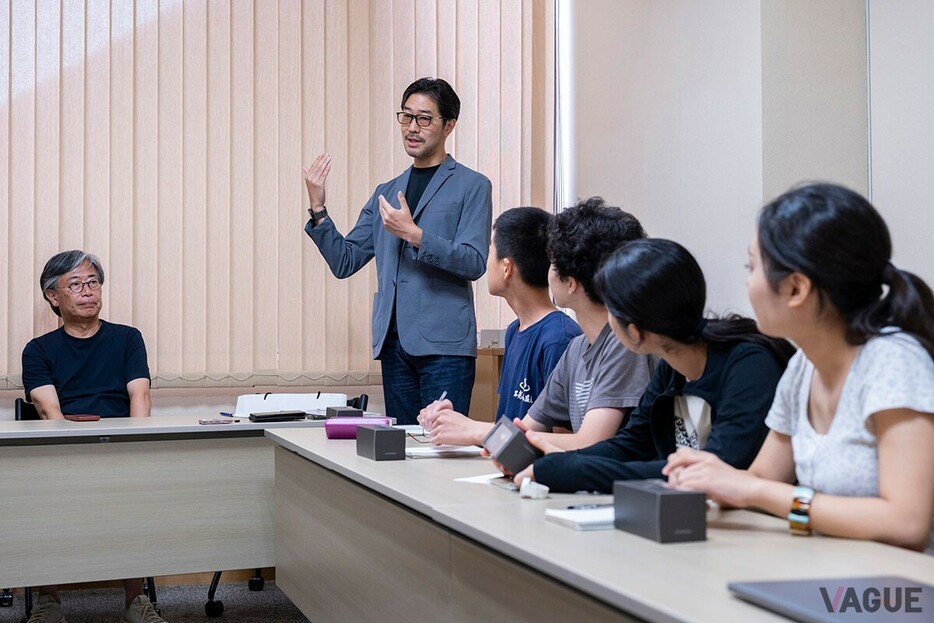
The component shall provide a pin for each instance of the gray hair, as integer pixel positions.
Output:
(63, 263)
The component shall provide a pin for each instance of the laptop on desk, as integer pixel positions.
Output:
(843, 600)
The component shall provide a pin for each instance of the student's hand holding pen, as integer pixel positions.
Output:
(427, 416)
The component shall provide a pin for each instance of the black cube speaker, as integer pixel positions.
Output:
(652, 509)
(381, 443)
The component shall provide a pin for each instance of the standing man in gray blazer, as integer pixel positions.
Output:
(429, 230)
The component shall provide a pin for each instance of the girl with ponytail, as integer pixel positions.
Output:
(853, 419)
(711, 390)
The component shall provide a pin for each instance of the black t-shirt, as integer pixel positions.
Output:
(90, 375)
(418, 182)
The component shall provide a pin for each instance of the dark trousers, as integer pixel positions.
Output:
(410, 383)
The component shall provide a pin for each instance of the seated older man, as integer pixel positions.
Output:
(86, 366)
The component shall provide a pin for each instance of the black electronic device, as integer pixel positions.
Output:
(507, 444)
(381, 443)
(277, 416)
(657, 511)
(342, 412)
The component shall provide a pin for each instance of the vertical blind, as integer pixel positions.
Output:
(168, 138)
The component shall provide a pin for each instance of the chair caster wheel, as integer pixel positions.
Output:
(214, 608)
(256, 583)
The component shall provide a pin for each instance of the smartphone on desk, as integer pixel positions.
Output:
(83, 417)
(504, 482)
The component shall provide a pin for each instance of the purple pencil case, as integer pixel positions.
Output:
(346, 427)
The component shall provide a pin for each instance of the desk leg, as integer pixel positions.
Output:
(345, 553)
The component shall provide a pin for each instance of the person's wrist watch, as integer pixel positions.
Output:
(799, 517)
(317, 216)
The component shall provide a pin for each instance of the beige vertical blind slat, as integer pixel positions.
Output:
(193, 234)
(382, 136)
(402, 53)
(169, 260)
(22, 168)
(72, 203)
(143, 244)
(491, 117)
(217, 246)
(97, 208)
(336, 109)
(265, 198)
(9, 359)
(511, 97)
(426, 37)
(194, 190)
(121, 218)
(168, 138)
(467, 84)
(358, 107)
(313, 304)
(289, 270)
(48, 136)
(242, 97)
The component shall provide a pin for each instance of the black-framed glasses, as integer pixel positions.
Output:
(423, 121)
(77, 287)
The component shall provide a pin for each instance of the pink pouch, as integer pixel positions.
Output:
(346, 427)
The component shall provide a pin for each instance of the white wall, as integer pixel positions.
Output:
(669, 123)
(901, 54)
(691, 113)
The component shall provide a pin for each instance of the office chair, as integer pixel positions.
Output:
(22, 411)
(359, 402)
(215, 607)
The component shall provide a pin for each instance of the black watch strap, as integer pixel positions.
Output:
(320, 214)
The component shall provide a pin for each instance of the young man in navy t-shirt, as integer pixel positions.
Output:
(596, 381)
(86, 366)
(517, 270)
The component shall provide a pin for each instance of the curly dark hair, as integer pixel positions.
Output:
(582, 237)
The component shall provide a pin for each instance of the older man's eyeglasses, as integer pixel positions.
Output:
(77, 287)
(423, 121)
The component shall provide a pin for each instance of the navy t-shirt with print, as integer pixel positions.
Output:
(529, 357)
(90, 375)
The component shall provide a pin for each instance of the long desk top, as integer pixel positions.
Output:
(423, 485)
(670, 582)
(58, 431)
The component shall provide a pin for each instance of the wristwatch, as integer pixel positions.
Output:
(799, 517)
(320, 214)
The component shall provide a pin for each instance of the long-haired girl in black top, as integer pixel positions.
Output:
(711, 390)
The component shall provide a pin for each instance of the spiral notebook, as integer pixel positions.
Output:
(597, 518)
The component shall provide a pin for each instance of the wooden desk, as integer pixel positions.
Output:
(131, 497)
(484, 399)
(359, 540)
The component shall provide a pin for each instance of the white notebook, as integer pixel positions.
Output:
(599, 518)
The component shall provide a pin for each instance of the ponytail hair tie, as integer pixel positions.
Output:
(888, 273)
(699, 331)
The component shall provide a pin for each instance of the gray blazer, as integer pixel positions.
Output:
(430, 286)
